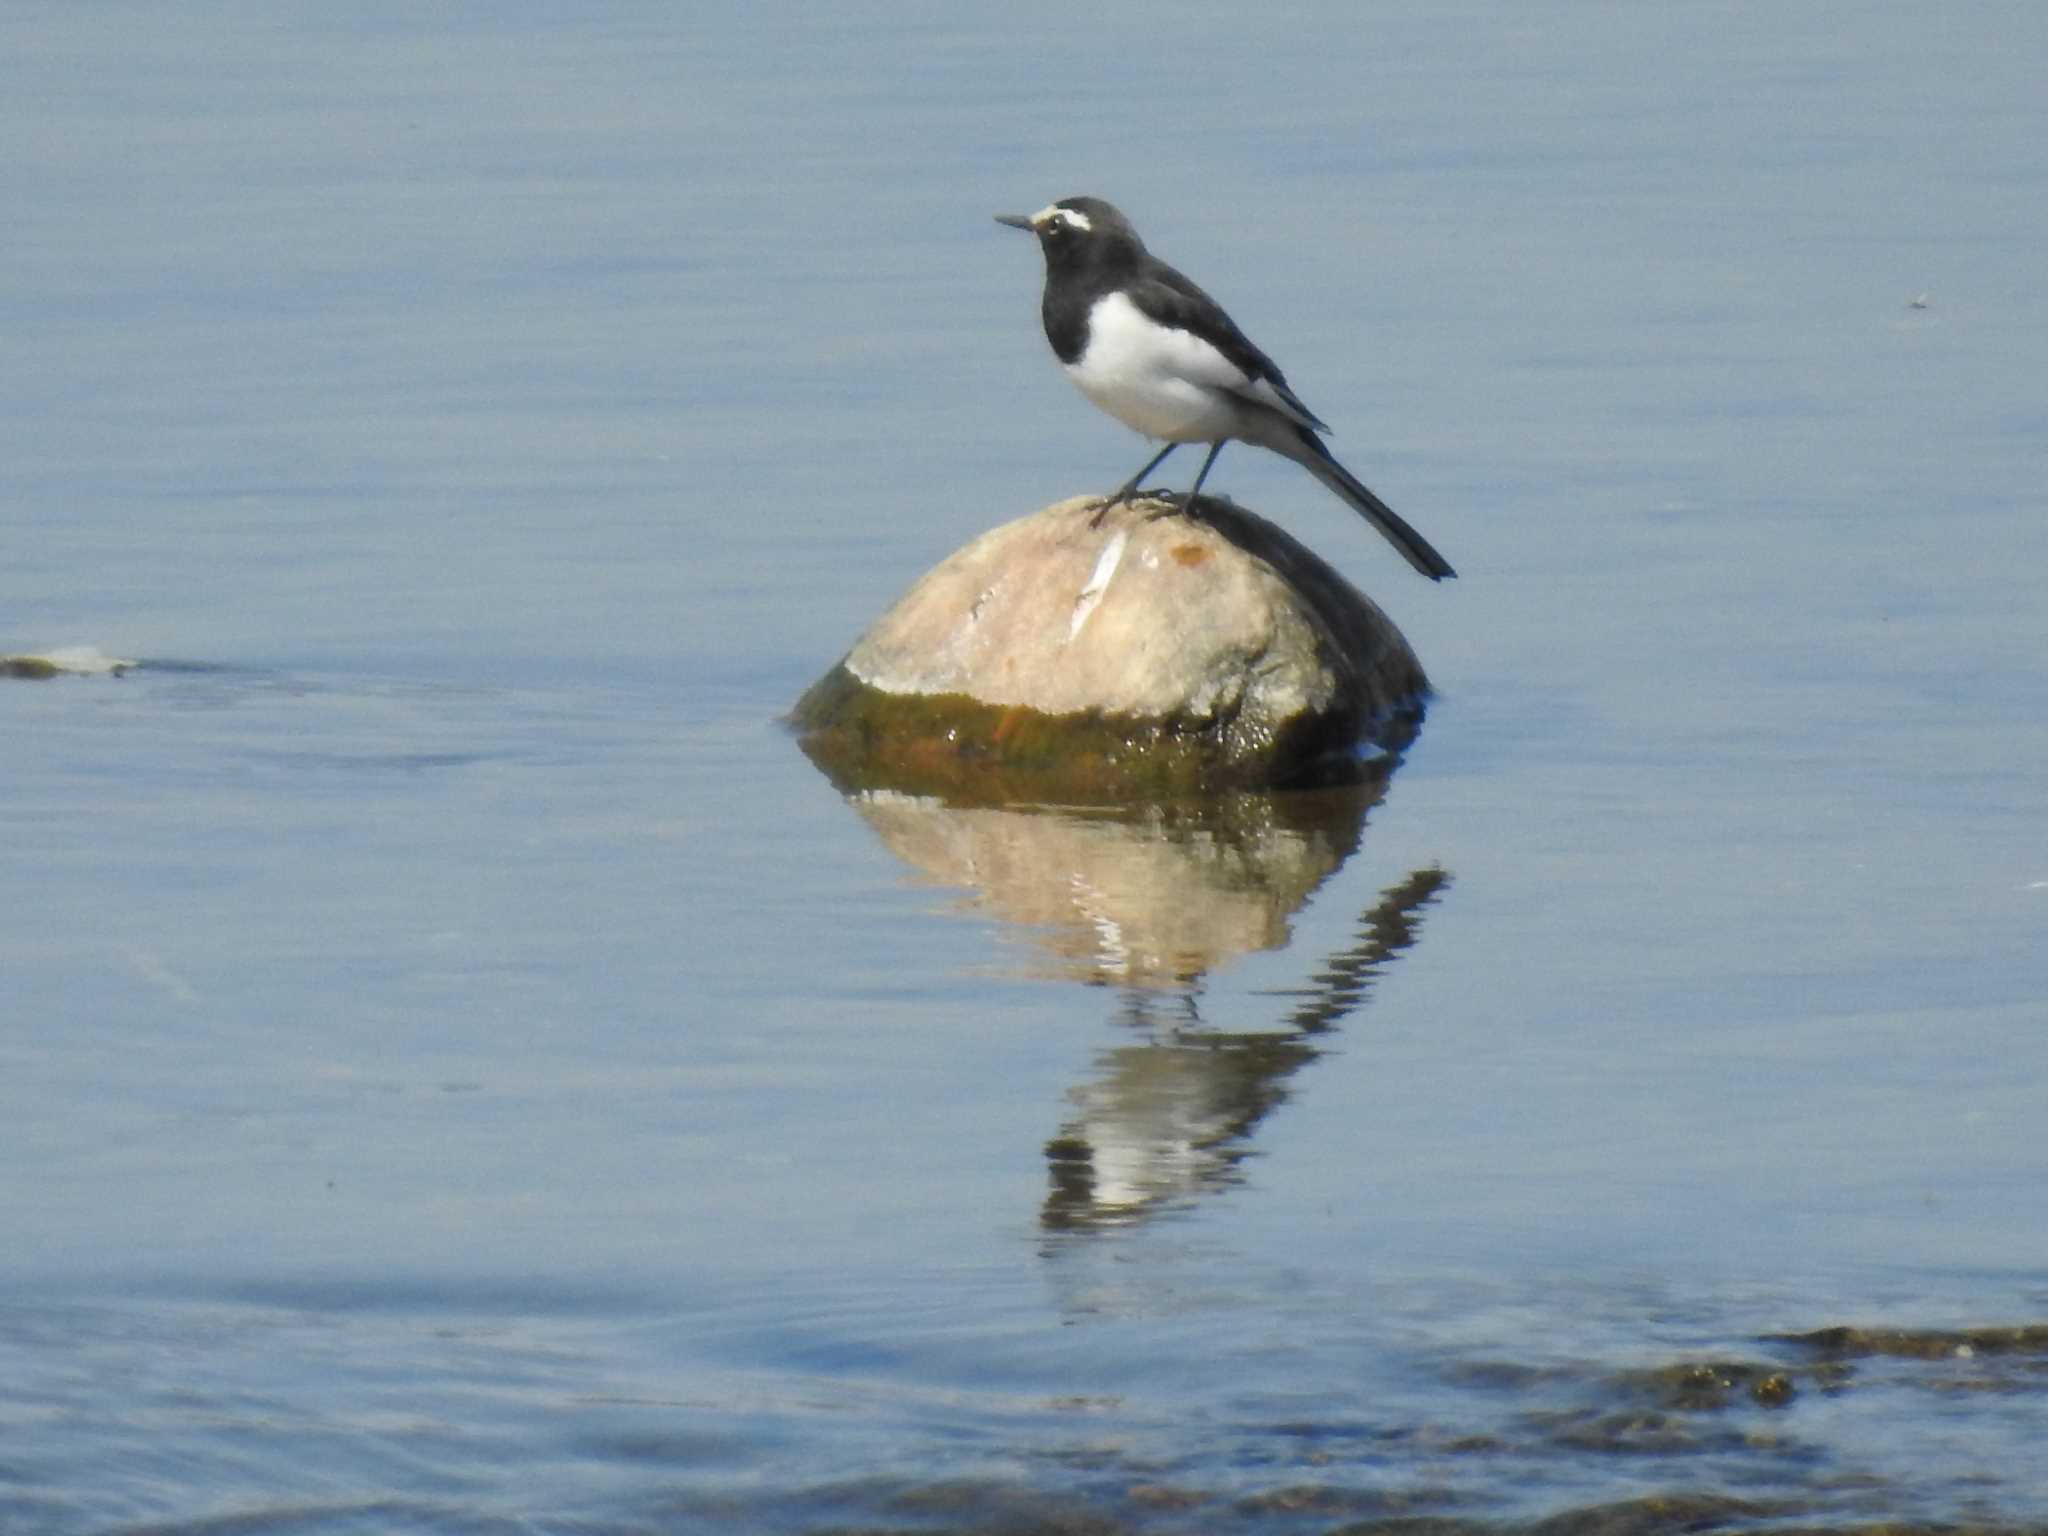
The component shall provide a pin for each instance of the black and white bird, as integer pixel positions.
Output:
(1161, 356)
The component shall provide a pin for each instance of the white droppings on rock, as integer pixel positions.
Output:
(1098, 581)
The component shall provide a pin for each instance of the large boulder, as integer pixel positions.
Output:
(1153, 654)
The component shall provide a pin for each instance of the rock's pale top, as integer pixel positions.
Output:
(1150, 617)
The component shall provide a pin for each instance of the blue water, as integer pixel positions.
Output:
(462, 1068)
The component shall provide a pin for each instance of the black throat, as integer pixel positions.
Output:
(1079, 270)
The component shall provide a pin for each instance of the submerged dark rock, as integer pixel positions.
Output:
(1847, 1342)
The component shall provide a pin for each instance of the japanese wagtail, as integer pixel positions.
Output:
(1154, 351)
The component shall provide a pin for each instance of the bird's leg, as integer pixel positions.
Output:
(1130, 486)
(1187, 507)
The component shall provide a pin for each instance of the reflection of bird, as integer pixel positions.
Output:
(1172, 1118)
(1153, 350)
(1384, 931)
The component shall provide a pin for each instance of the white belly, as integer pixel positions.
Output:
(1164, 383)
(1166, 408)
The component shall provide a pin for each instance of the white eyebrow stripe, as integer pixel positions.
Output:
(1054, 211)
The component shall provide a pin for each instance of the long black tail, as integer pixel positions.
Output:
(1414, 548)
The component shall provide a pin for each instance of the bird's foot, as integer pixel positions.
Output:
(1186, 507)
(1109, 503)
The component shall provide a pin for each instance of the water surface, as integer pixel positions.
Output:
(464, 1069)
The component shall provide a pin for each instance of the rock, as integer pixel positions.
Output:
(71, 661)
(1152, 655)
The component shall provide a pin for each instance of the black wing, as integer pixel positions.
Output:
(1173, 298)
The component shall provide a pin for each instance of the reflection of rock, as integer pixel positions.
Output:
(1141, 899)
(1173, 1117)
(1056, 659)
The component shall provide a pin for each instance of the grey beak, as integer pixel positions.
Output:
(1014, 220)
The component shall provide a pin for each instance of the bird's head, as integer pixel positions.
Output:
(1077, 229)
